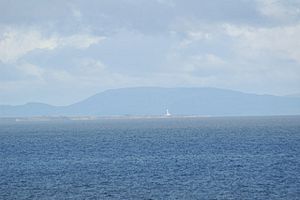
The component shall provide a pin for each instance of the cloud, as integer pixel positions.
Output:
(248, 58)
(209, 59)
(80, 41)
(28, 82)
(63, 51)
(31, 70)
(15, 43)
(281, 41)
(282, 10)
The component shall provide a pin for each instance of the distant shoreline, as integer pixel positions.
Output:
(129, 117)
(92, 118)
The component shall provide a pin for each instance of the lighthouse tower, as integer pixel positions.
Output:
(167, 113)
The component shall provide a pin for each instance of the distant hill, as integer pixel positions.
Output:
(29, 109)
(155, 101)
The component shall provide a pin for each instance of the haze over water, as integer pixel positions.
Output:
(84, 86)
(191, 158)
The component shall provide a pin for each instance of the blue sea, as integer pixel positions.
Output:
(170, 158)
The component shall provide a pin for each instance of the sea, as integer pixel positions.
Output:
(151, 158)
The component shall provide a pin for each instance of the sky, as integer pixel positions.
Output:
(60, 52)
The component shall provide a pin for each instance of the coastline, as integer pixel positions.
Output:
(124, 117)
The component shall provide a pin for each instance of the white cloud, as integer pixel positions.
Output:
(15, 43)
(28, 69)
(279, 9)
(282, 41)
(80, 41)
(209, 59)
(250, 46)
(248, 58)
(194, 36)
(86, 78)
(203, 63)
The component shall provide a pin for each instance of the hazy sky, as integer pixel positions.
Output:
(59, 52)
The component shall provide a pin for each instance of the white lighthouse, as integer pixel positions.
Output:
(167, 113)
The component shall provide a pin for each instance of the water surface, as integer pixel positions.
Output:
(182, 158)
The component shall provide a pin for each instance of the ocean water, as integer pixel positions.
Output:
(175, 158)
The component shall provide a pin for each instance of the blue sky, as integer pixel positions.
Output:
(60, 52)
